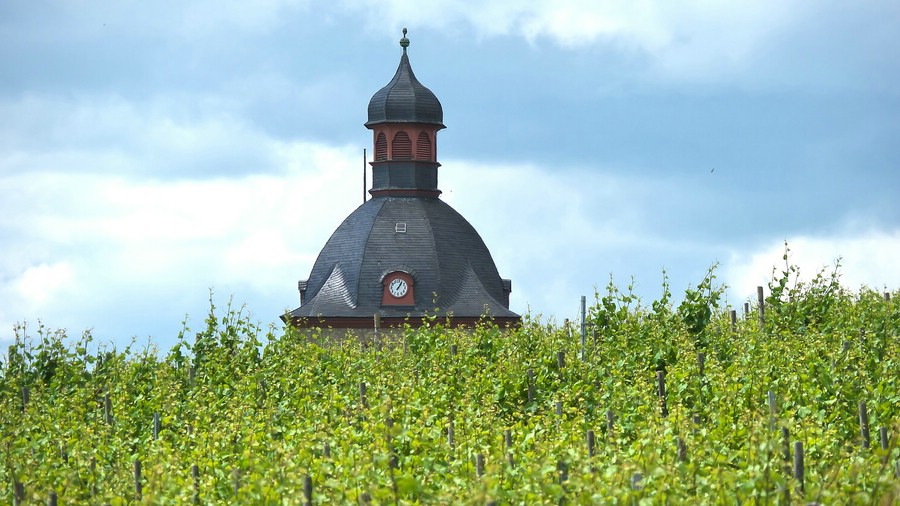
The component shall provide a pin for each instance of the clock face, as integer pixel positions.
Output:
(398, 288)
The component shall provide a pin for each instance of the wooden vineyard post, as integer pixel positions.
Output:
(453, 350)
(53, 499)
(18, 492)
(450, 441)
(733, 314)
(377, 325)
(798, 464)
(393, 459)
(864, 424)
(93, 476)
(26, 398)
(529, 374)
(563, 470)
(682, 449)
(307, 490)
(263, 394)
(583, 328)
(393, 464)
(786, 449)
(661, 391)
(561, 361)
(590, 448)
(107, 406)
(191, 374)
(761, 300)
(479, 465)
(610, 417)
(559, 407)
(746, 310)
(362, 395)
(156, 426)
(138, 489)
(883, 437)
(507, 439)
(195, 476)
(772, 410)
(701, 362)
(636, 481)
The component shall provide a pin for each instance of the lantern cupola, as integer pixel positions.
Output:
(404, 117)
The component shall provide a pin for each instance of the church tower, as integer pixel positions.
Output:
(404, 254)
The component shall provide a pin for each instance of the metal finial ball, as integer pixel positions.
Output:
(404, 42)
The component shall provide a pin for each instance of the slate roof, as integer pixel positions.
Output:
(405, 99)
(452, 268)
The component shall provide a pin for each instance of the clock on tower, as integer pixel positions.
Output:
(398, 289)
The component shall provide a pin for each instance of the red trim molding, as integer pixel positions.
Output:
(350, 322)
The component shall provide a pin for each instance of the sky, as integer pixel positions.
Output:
(154, 155)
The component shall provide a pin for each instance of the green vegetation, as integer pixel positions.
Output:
(248, 415)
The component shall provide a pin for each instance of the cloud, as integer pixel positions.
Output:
(645, 25)
(693, 42)
(151, 151)
(561, 232)
(176, 136)
(867, 258)
(131, 253)
(41, 283)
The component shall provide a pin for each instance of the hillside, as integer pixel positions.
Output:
(664, 403)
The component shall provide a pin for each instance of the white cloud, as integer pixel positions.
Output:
(693, 41)
(91, 249)
(560, 232)
(648, 25)
(867, 258)
(119, 210)
(172, 136)
(90, 241)
(42, 283)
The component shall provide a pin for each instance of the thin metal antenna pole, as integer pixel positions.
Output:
(364, 175)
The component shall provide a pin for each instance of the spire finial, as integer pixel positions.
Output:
(404, 42)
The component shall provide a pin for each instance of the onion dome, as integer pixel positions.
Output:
(405, 99)
(443, 259)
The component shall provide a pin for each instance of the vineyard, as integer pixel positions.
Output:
(791, 399)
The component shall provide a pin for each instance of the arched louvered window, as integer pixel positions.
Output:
(401, 147)
(423, 147)
(380, 147)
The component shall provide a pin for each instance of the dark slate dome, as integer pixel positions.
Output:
(440, 250)
(405, 99)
